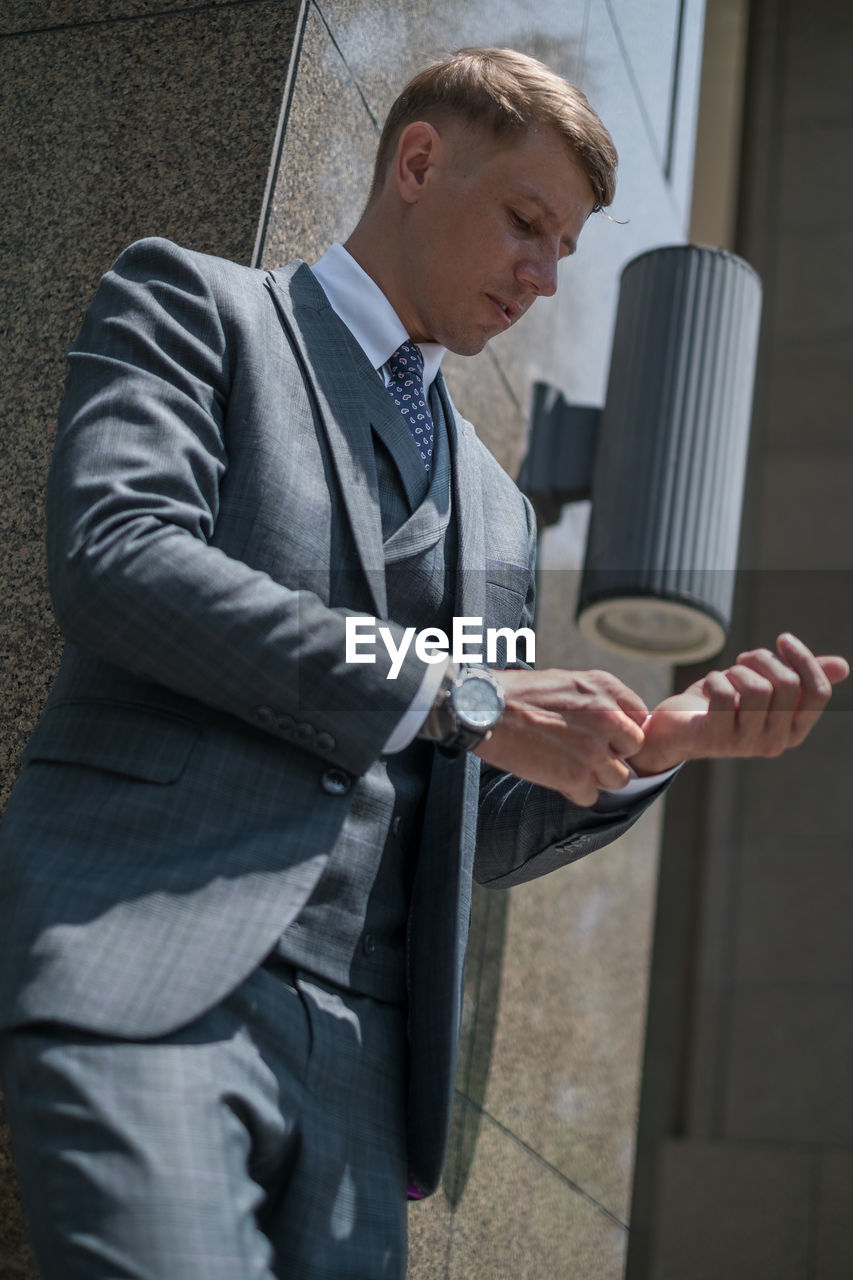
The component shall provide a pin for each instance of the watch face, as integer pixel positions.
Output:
(476, 703)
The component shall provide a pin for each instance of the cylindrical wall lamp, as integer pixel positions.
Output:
(671, 458)
(669, 455)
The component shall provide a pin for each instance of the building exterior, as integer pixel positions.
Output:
(711, 946)
(744, 1164)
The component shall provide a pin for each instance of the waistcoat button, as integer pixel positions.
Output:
(335, 782)
(368, 944)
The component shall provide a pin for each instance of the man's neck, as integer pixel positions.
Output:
(372, 246)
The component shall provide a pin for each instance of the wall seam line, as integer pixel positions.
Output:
(280, 133)
(350, 71)
(558, 1173)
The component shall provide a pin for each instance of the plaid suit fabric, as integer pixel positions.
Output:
(354, 933)
(274, 1125)
(211, 526)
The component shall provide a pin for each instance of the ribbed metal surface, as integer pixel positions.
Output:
(669, 472)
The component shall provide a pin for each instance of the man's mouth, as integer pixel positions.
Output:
(509, 311)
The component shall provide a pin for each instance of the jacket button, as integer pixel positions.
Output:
(305, 733)
(335, 782)
(368, 944)
(324, 742)
(265, 717)
(396, 825)
(285, 723)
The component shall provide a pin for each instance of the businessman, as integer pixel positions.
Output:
(235, 871)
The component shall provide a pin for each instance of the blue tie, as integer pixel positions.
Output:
(407, 388)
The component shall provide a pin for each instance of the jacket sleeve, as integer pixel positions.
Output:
(133, 498)
(525, 831)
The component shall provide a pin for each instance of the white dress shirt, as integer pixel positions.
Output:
(378, 330)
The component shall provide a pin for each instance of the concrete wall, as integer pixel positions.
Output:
(746, 1149)
(164, 122)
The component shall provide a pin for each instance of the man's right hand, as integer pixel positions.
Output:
(571, 731)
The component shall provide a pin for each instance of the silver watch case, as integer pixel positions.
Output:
(475, 703)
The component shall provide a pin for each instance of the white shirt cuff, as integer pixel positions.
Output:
(636, 786)
(418, 710)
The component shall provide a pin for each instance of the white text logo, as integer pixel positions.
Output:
(466, 643)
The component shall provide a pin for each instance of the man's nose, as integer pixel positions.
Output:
(539, 272)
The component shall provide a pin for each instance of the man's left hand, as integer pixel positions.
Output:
(763, 705)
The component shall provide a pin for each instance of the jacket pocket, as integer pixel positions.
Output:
(116, 737)
(507, 587)
(512, 578)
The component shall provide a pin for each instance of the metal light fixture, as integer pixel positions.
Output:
(669, 452)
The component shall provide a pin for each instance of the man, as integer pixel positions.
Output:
(236, 867)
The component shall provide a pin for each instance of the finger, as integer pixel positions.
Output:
(816, 686)
(721, 693)
(756, 690)
(576, 781)
(759, 730)
(752, 725)
(783, 678)
(583, 794)
(613, 775)
(776, 733)
(622, 695)
(608, 728)
(628, 741)
(834, 667)
(632, 705)
(591, 755)
(722, 719)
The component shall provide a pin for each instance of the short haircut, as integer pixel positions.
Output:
(506, 92)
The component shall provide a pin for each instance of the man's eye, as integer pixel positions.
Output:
(521, 223)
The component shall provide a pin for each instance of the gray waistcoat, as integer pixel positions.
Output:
(352, 931)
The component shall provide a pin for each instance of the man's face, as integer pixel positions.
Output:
(483, 239)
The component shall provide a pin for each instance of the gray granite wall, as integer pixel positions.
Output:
(136, 118)
(120, 120)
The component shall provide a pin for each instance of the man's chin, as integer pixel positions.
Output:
(468, 344)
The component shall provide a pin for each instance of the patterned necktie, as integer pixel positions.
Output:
(407, 388)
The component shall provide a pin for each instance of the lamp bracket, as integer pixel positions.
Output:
(561, 452)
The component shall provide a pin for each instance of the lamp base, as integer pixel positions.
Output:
(646, 626)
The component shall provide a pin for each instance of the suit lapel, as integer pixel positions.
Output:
(345, 389)
(341, 386)
(465, 448)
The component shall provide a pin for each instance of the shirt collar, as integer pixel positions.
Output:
(367, 313)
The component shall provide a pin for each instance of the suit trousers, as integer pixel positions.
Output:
(267, 1138)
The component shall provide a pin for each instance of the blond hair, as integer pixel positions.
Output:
(506, 92)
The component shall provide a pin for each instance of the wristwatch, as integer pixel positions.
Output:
(466, 710)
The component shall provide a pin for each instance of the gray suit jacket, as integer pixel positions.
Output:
(213, 517)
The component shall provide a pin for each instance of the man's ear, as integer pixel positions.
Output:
(418, 150)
